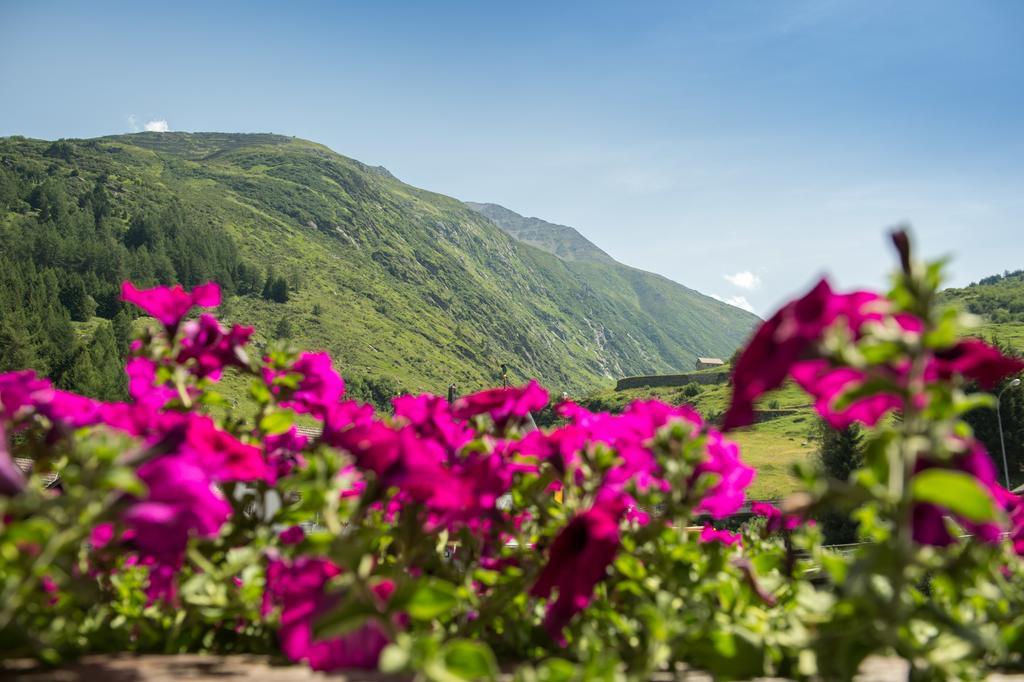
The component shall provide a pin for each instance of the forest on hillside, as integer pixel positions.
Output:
(65, 247)
(1000, 298)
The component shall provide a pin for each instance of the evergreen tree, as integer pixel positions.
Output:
(80, 305)
(283, 329)
(97, 369)
(279, 290)
(840, 453)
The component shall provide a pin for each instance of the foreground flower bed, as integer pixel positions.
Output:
(444, 538)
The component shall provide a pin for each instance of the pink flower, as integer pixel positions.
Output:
(283, 454)
(730, 477)
(181, 502)
(776, 520)
(789, 336)
(70, 409)
(828, 385)
(929, 519)
(319, 387)
(292, 535)
(712, 534)
(101, 535)
(19, 390)
(50, 588)
(221, 454)
(211, 349)
(431, 416)
(298, 588)
(979, 361)
(374, 445)
(142, 384)
(12, 481)
(170, 304)
(577, 562)
(502, 404)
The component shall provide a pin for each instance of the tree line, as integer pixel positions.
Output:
(63, 256)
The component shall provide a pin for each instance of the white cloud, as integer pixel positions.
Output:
(159, 126)
(738, 301)
(744, 280)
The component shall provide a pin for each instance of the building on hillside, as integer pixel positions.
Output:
(708, 363)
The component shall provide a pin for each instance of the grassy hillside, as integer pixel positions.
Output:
(999, 298)
(670, 315)
(407, 288)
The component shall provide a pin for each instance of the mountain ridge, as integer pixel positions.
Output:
(560, 240)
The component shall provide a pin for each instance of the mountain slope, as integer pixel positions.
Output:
(402, 285)
(999, 299)
(560, 240)
(677, 319)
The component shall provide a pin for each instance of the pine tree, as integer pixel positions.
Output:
(840, 453)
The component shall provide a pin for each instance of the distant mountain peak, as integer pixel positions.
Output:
(561, 240)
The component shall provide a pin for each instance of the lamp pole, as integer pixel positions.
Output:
(999, 419)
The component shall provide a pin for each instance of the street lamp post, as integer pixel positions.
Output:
(999, 419)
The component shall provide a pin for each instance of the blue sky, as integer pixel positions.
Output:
(740, 148)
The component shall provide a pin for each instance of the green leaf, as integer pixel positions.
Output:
(259, 391)
(470, 660)
(277, 422)
(556, 670)
(630, 566)
(957, 491)
(349, 616)
(123, 479)
(432, 599)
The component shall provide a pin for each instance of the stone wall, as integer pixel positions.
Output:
(663, 380)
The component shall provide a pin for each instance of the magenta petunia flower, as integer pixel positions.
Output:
(787, 337)
(502, 404)
(776, 520)
(12, 481)
(827, 385)
(431, 416)
(19, 390)
(210, 348)
(222, 455)
(170, 304)
(929, 519)
(142, 384)
(979, 361)
(101, 535)
(724, 537)
(283, 453)
(181, 502)
(319, 387)
(577, 561)
(730, 476)
(292, 535)
(298, 588)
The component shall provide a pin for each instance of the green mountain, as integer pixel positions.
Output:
(408, 289)
(560, 240)
(679, 318)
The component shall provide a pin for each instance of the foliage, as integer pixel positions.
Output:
(998, 297)
(841, 454)
(432, 540)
